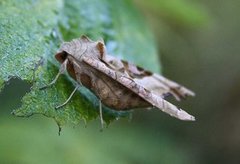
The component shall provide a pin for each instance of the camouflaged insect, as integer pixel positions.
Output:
(118, 84)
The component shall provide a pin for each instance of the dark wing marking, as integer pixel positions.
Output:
(143, 92)
(158, 84)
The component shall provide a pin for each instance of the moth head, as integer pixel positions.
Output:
(83, 46)
(61, 56)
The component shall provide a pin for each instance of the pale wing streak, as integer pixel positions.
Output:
(149, 82)
(147, 95)
(161, 85)
(155, 83)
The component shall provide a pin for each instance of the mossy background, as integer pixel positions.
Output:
(199, 47)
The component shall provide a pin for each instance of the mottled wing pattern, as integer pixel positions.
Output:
(158, 84)
(124, 78)
(111, 93)
(103, 73)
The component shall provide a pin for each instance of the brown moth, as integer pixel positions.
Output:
(118, 84)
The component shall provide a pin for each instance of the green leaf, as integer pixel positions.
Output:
(24, 29)
(31, 32)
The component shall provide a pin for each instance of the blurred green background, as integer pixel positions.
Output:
(199, 46)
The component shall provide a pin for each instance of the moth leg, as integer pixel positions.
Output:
(100, 101)
(100, 114)
(69, 98)
(61, 71)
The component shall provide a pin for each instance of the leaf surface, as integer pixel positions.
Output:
(32, 31)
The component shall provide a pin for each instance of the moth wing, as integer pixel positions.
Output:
(140, 90)
(158, 84)
(164, 87)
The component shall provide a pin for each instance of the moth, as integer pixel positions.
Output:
(117, 84)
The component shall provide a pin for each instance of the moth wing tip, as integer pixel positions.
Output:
(191, 93)
(192, 118)
(182, 115)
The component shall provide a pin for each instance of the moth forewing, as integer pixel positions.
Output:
(147, 95)
(110, 92)
(117, 83)
(177, 90)
(158, 84)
